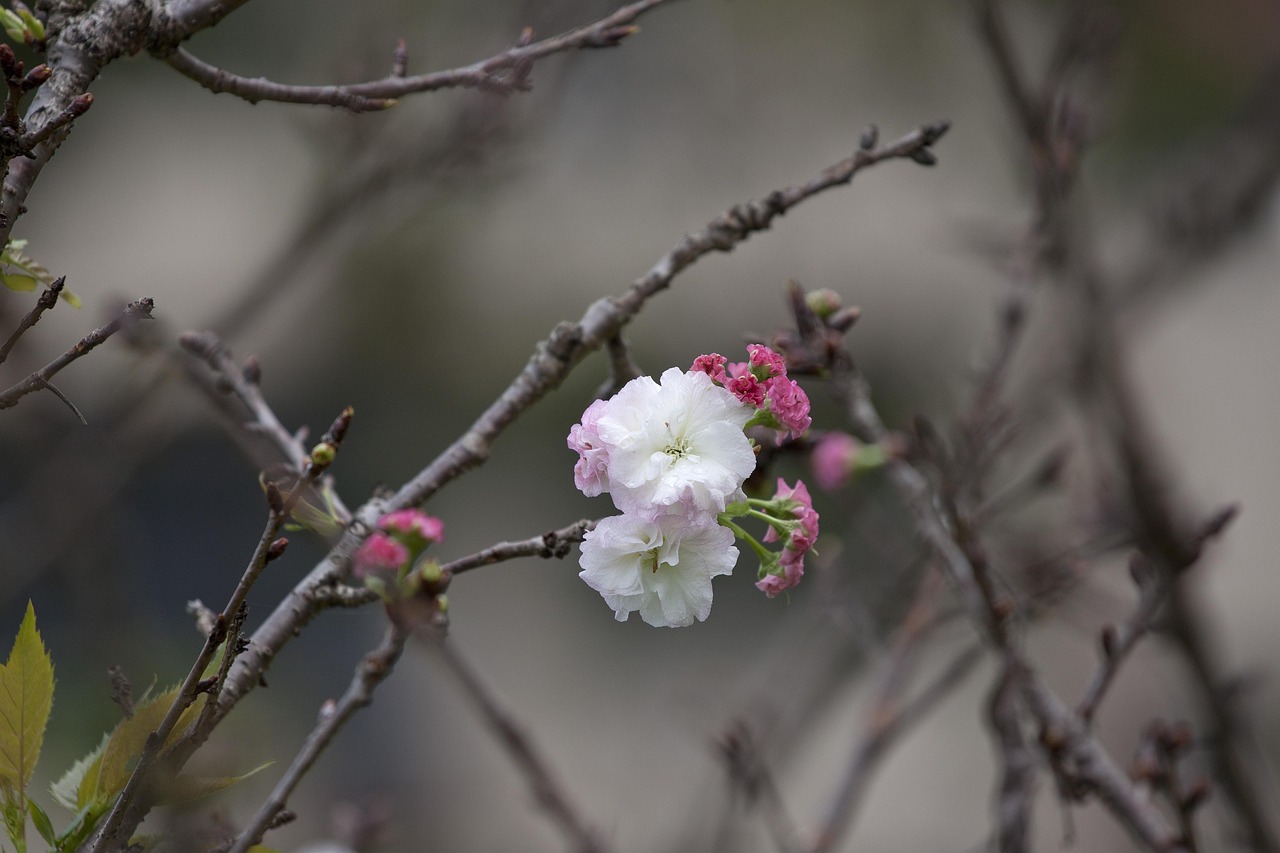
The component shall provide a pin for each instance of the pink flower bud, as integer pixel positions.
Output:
(833, 459)
(378, 554)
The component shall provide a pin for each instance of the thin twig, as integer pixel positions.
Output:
(1118, 642)
(553, 543)
(749, 773)
(546, 791)
(47, 300)
(134, 311)
(504, 72)
(622, 368)
(372, 670)
(891, 718)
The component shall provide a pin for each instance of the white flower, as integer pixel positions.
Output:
(675, 447)
(663, 567)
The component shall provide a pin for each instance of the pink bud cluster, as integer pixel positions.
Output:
(762, 382)
(400, 538)
(797, 504)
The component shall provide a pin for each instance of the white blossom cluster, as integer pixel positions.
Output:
(672, 454)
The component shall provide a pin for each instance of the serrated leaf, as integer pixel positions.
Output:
(26, 698)
(43, 825)
(187, 789)
(19, 282)
(130, 736)
(66, 791)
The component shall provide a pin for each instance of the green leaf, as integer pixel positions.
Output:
(130, 736)
(19, 282)
(188, 789)
(32, 23)
(86, 821)
(13, 25)
(44, 826)
(66, 791)
(26, 698)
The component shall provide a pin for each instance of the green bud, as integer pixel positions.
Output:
(13, 26)
(322, 454)
(824, 303)
(33, 24)
(442, 602)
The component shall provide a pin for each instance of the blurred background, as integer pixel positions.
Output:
(407, 263)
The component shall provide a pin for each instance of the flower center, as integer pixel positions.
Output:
(678, 446)
(649, 560)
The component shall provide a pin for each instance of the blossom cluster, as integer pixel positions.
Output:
(673, 455)
(388, 561)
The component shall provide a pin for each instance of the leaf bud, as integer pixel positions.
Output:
(322, 455)
(276, 549)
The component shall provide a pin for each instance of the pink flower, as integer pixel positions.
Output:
(799, 506)
(833, 458)
(762, 356)
(413, 527)
(789, 404)
(712, 365)
(591, 473)
(379, 553)
(748, 389)
(771, 585)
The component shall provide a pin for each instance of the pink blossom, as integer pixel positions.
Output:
(799, 505)
(413, 526)
(379, 553)
(734, 369)
(748, 389)
(789, 404)
(711, 364)
(762, 356)
(591, 473)
(771, 585)
(832, 459)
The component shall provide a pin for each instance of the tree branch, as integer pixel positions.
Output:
(134, 311)
(504, 72)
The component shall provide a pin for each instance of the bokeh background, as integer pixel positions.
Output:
(407, 263)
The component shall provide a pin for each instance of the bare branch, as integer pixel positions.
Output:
(47, 300)
(547, 792)
(553, 543)
(134, 311)
(504, 72)
(372, 670)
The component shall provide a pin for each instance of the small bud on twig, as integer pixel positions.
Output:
(869, 138)
(274, 500)
(81, 105)
(36, 77)
(276, 549)
(251, 370)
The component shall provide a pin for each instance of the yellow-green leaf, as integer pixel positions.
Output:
(43, 825)
(26, 698)
(130, 736)
(187, 789)
(32, 23)
(19, 282)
